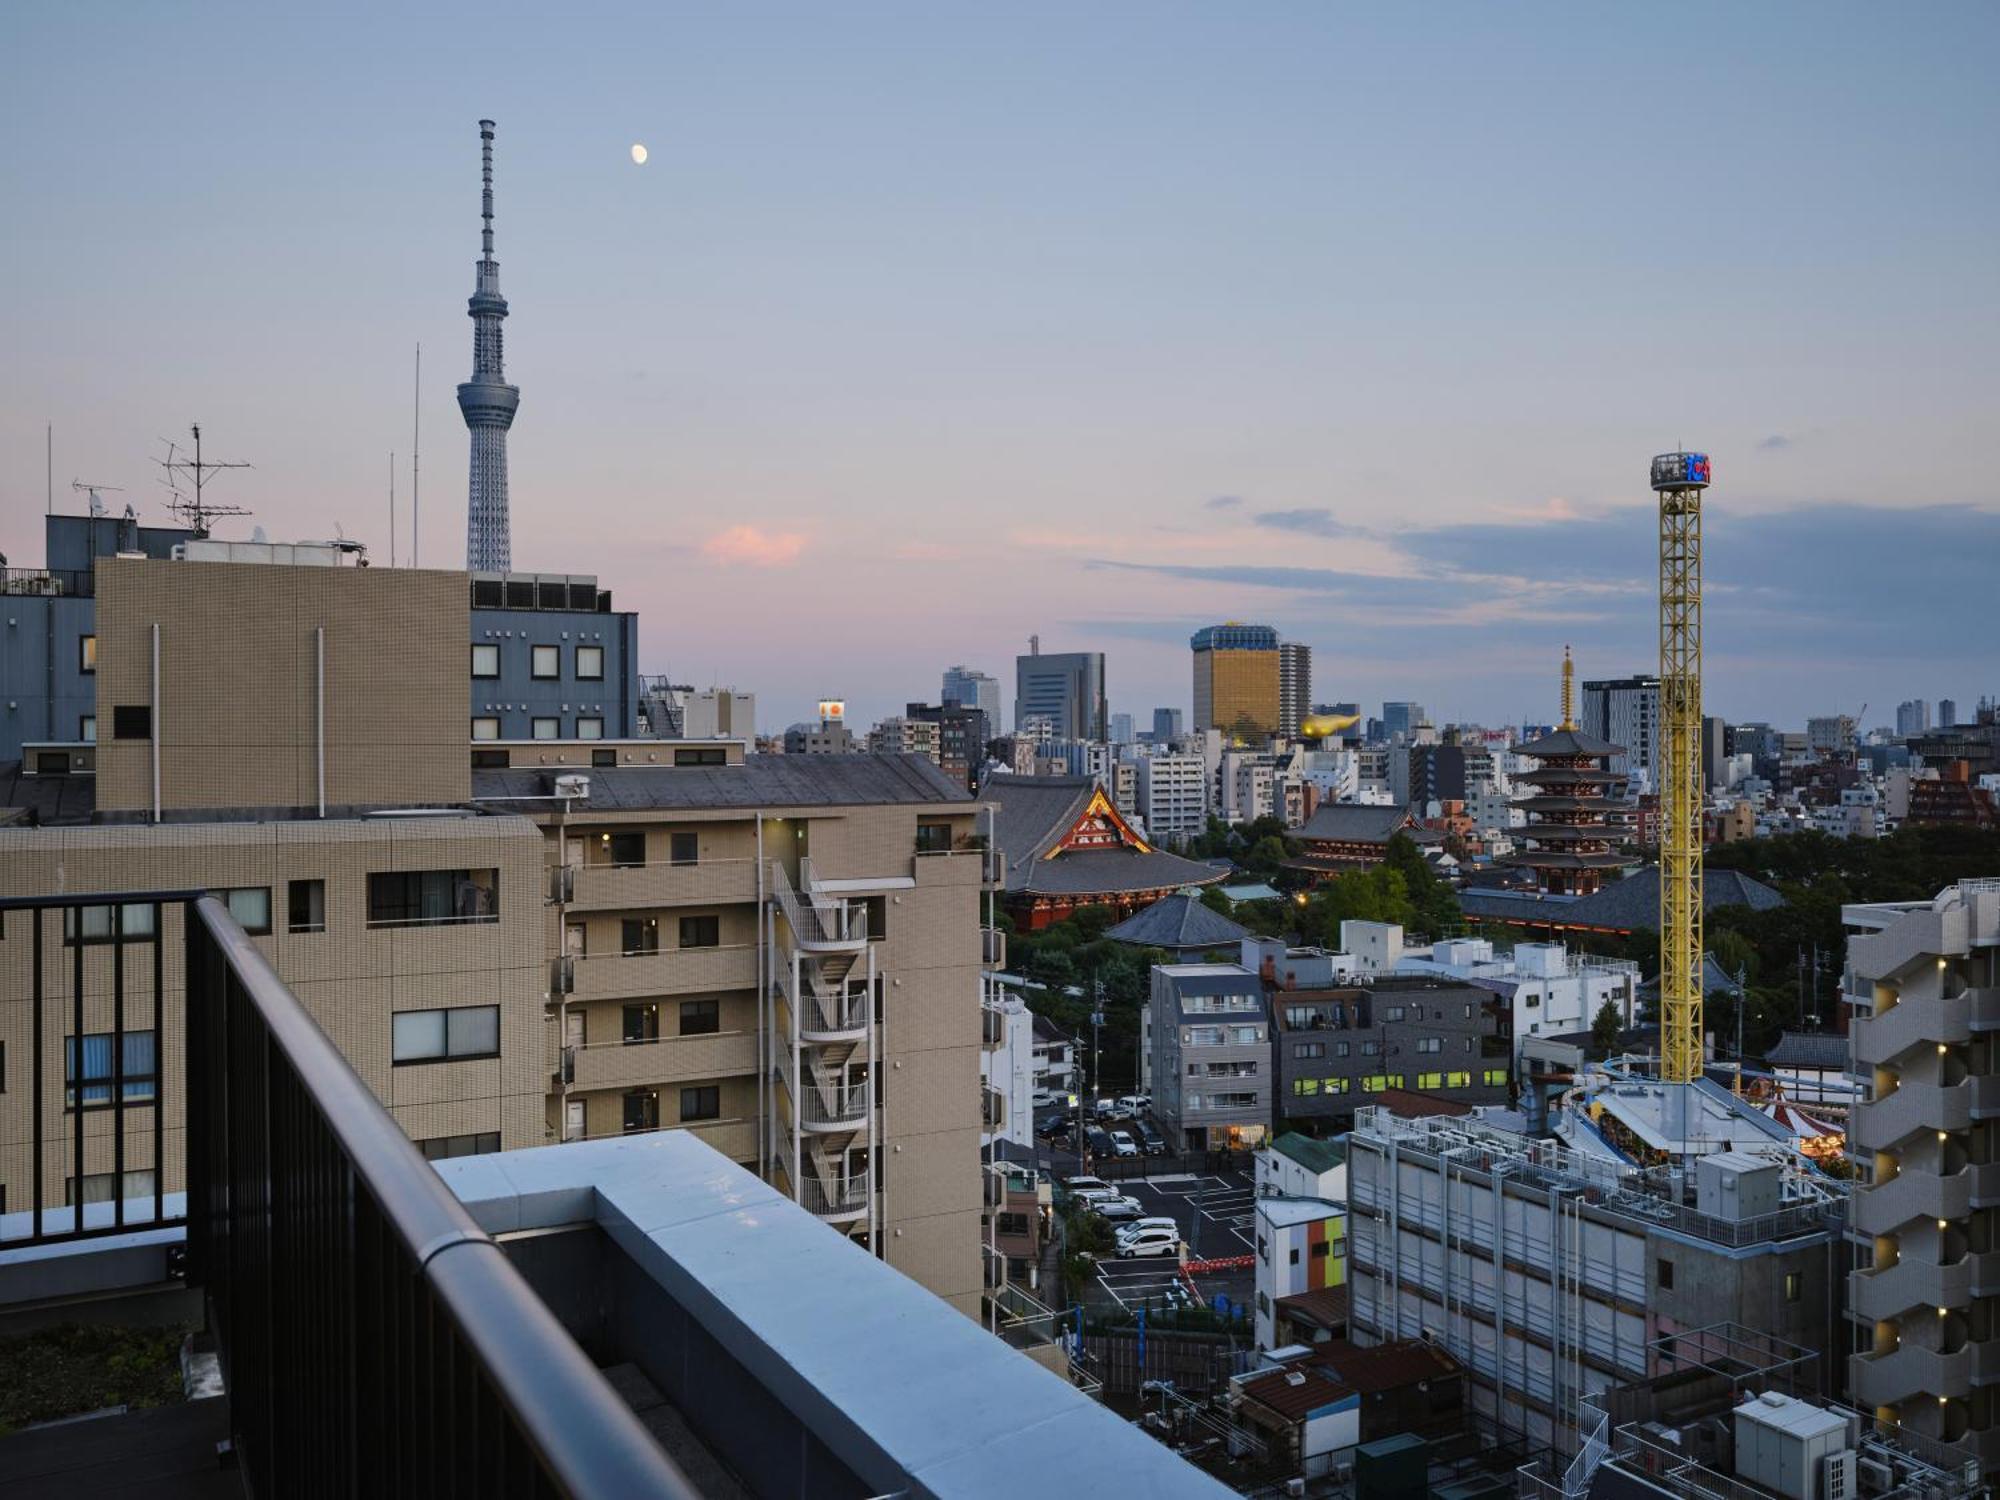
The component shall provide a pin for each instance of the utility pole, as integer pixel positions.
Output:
(1739, 1030)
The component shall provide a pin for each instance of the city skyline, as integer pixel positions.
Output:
(1220, 359)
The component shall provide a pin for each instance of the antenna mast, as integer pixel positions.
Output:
(196, 514)
(392, 507)
(83, 487)
(416, 449)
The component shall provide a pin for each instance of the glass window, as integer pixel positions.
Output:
(426, 898)
(491, 760)
(685, 848)
(444, 1147)
(638, 935)
(590, 663)
(589, 727)
(86, 729)
(626, 850)
(642, 1023)
(712, 756)
(545, 661)
(95, 1074)
(604, 757)
(1245, 1035)
(642, 1110)
(545, 729)
(251, 906)
(933, 838)
(485, 661)
(132, 721)
(701, 932)
(108, 924)
(416, 1035)
(86, 653)
(100, 1187)
(702, 1103)
(473, 1031)
(486, 727)
(701, 1017)
(305, 906)
(1342, 1049)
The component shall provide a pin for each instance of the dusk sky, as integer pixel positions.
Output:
(927, 326)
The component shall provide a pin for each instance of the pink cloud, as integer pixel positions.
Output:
(755, 547)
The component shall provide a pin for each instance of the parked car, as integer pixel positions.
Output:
(1136, 1104)
(1056, 1129)
(1104, 1109)
(1123, 1144)
(1151, 1141)
(1078, 1187)
(1156, 1221)
(1099, 1142)
(1150, 1242)
(1047, 1098)
(1115, 1210)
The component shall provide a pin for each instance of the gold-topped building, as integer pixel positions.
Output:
(1574, 847)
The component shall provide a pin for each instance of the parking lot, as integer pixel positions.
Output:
(1216, 1221)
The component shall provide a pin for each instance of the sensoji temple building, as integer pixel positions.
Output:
(1066, 847)
(1574, 846)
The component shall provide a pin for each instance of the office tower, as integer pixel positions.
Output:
(486, 401)
(1625, 711)
(961, 733)
(1166, 725)
(1064, 687)
(1436, 774)
(1400, 720)
(1830, 734)
(1121, 729)
(1236, 679)
(1925, 1208)
(1714, 755)
(1947, 713)
(1294, 686)
(1913, 717)
(974, 690)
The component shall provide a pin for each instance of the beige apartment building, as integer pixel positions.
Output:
(782, 954)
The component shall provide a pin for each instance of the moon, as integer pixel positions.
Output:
(638, 154)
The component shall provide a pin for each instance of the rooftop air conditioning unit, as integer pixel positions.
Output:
(574, 786)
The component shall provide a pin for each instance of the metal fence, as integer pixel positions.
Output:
(373, 1339)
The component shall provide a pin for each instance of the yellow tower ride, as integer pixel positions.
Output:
(1679, 479)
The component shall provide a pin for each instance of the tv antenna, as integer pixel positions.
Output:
(95, 491)
(195, 514)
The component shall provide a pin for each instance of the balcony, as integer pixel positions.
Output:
(827, 1107)
(934, 868)
(837, 1200)
(1890, 1291)
(1887, 1036)
(670, 971)
(992, 1027)
(993, 947)
(1893, 1118)
(819, 923)
(829, 1017)
(621, 1065)
(609, 887)
(1909, 1374)
(1912, 1195)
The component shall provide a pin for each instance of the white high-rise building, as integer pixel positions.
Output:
(1173, 795)
(1913, 717)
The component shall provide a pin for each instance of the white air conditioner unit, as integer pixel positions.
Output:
(1836, 1480)
(577, 787)
(1877, 1476)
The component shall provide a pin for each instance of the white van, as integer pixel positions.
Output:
(1150, 1242)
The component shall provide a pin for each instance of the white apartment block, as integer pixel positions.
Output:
(1552, 991)
(1172, 795)
(1008, 1071)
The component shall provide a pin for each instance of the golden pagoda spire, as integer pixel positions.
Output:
(1569, 692)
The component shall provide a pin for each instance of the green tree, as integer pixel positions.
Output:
(1090, 922)
(1434, 910)
(1604, 1029)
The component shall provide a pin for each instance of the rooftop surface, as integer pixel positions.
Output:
(762, 781)
(906, 1392)
(1312, 1154)
(1178, 921)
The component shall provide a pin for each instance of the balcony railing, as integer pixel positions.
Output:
(834, 1198)
(827, 1105)
(818, 922)
(373, 1339)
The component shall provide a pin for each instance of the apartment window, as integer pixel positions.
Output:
(1392, 1013)
(1533, 1002)
(444, 1147)
(1430, 1080)
(1371, 1049)
(485, 727)
(1374, 1083)
(590, 663)
(1430, 1044)
(1263, 1250)
(712, 756)
(102, 1187)
(545, 729)
(1468, 1010)
(1305, 1087)
(933, 838)
(430, 898)
(1468, 1043)
(305, 906)
(1309, 1049)
(642, 1023)
(637, 935)
(86, 653)
(604, 757)
(642, 1109)
(86, 729)
(1666, 1276)
(1341, 1049)
(1458, 1080)
(684, 848)
(485, 661)
(1495, 1077)
(1294, 1254)
(589, 727)
(421, 1036)
(1246, 1036)
(701, 1103)
(1336, 1085)
(701, 1017)
(878, 917)
(626, 850)
(1320, 1249)
(251, 906)
(91, 1078)
(1011, 1224)
(545, 661)
(701, 932)
(132, 721)
(126, 923)
(1794, 1286)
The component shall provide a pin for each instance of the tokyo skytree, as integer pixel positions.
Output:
(487, 401)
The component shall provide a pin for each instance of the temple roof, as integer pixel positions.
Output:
(1567, 742)
(1354, 823)
(1060, 835)
(1178, 921)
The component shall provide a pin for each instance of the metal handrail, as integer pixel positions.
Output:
(286, 1142)
(816, 921)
